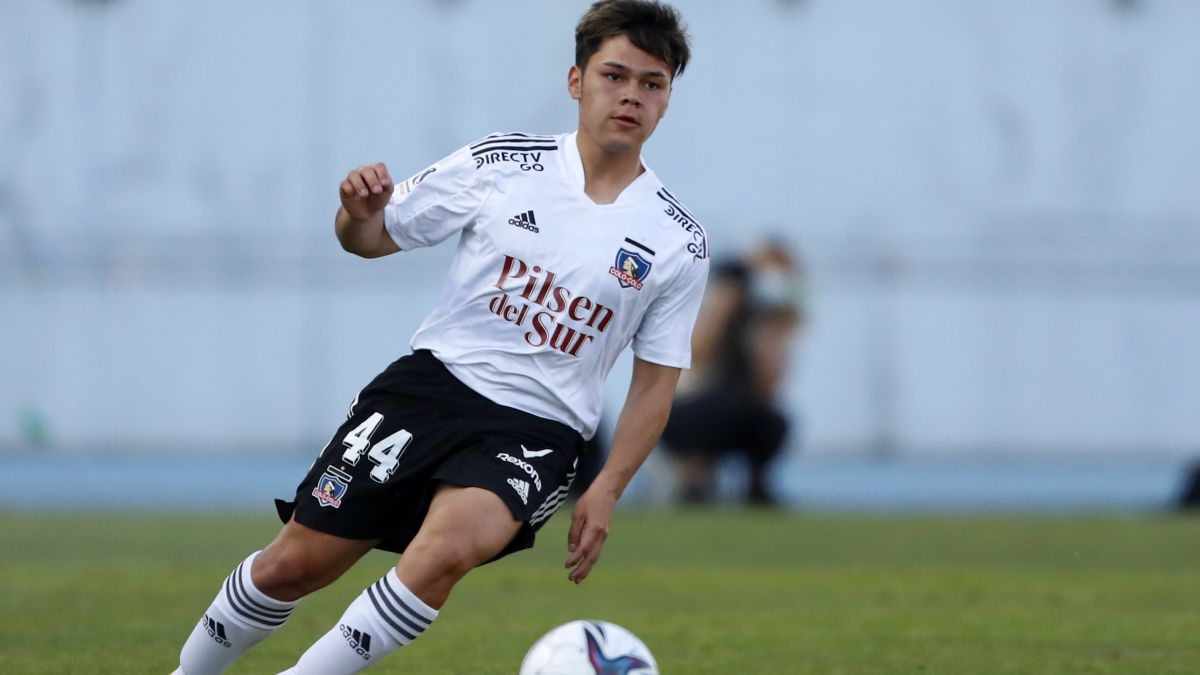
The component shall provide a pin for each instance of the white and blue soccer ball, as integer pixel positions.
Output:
(589, 648)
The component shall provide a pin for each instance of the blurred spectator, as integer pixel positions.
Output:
(727, 401)
(1189, 497)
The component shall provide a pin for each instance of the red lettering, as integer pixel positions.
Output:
(511, 313)
(540, 288)
(561, 293)
(541, 323)
(541, 298)
(603, 314)
(497, 304)
(533, 279)
(562, 338)
(508, 311)
(581, 302)
(512, 267)
(584, 338)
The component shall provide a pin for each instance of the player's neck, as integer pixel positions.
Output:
(606, 174)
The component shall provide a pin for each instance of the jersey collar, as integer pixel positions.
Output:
(642, 185)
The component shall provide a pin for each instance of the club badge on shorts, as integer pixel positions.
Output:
(630, 269)
(332, 487)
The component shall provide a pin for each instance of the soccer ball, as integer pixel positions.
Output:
(589, 648)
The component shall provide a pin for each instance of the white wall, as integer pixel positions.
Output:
(996, 200)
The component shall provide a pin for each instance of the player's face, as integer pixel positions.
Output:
(623, 92)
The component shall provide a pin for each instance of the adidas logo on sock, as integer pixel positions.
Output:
(216, 631)
(359, 641)
(525, 220)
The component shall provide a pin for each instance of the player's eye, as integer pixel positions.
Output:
(653, 85)
(613, 77)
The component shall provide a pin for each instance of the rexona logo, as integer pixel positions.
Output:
(524, 466)
(553, 315)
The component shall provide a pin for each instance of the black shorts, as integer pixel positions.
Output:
(415, 426)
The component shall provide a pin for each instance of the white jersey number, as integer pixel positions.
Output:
(386, 453)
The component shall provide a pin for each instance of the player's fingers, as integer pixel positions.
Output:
(588, 561)
(589, 546)
(370, 177)
(577, 523)
(357, 185)
(582, 547)
(385, 178)
(580, 573)
(580, 553)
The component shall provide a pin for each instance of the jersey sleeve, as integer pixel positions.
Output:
(436, 203)
(665, 334)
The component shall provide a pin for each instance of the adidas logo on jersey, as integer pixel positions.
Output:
(525, 220)
(359, 641)
(521, 487)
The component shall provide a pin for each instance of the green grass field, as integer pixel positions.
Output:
(710, 592)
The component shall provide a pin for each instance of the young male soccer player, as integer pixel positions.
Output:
(569, 249)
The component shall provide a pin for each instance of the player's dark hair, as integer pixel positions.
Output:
(652, 27)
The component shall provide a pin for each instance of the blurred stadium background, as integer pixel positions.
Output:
(997, 203)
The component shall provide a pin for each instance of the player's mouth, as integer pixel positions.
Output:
(627, 121)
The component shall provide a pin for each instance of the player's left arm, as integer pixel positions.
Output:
(638, 428)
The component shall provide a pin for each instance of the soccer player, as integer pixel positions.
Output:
(569, 248)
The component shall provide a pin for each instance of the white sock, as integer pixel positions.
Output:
(240, 617)
(384, 618)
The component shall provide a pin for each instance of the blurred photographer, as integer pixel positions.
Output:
(726, 403)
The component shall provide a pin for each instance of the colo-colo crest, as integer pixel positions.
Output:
(630, 269)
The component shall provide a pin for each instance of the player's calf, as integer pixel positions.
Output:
(384, 618)
(239, 617)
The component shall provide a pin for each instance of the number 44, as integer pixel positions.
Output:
(385, 453)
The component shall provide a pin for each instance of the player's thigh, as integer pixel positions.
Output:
(465, 527)
(301, 560)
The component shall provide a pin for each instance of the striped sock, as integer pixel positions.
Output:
(240, 617)
(382, 619)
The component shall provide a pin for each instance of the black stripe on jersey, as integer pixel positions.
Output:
(519, 134)
(511, 138)
(514, 148)
(668, 193)
(641, 246)
(512, 141)
(671, 199)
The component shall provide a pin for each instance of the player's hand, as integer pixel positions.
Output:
(589, 529)
(366, 190)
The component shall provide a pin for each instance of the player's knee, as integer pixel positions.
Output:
(447, 555)
(288, 575)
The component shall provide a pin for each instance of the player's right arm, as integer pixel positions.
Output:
(360, 222)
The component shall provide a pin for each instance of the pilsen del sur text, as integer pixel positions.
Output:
(553, 315)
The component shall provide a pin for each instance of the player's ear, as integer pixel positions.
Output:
(575, 82)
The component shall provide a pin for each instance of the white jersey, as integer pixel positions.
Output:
(547, 287)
